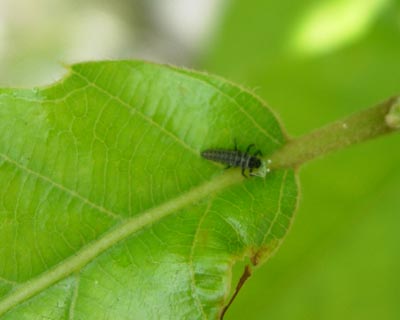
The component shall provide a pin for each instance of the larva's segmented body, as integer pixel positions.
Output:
(234, 158)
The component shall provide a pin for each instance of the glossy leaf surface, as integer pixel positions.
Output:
(107, 209)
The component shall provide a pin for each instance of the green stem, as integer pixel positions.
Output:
(364, 125)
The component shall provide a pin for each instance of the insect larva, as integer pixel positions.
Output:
(235, 158)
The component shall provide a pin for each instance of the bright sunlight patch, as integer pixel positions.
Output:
(334, 24)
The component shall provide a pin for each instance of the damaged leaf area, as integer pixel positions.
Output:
(107, 209)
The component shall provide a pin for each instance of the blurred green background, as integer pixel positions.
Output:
(313, 62)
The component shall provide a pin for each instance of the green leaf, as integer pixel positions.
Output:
(107, 209)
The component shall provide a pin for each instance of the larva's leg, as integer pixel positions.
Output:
(243, 174)
(227, 167)
(249, 147)
(258, 153)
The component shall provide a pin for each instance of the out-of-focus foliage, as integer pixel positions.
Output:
(342, 257)
(37, 37)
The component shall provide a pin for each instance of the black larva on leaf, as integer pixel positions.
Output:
(235, 158)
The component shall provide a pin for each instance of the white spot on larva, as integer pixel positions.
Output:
(344, 125)
(392, 119)
(263, 170)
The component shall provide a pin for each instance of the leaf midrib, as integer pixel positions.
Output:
(125, 229)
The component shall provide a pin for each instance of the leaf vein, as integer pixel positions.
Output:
(60, 187)
(241, 109)
(74, 298)
(191, 267)
(136, 111)
(278, 211)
